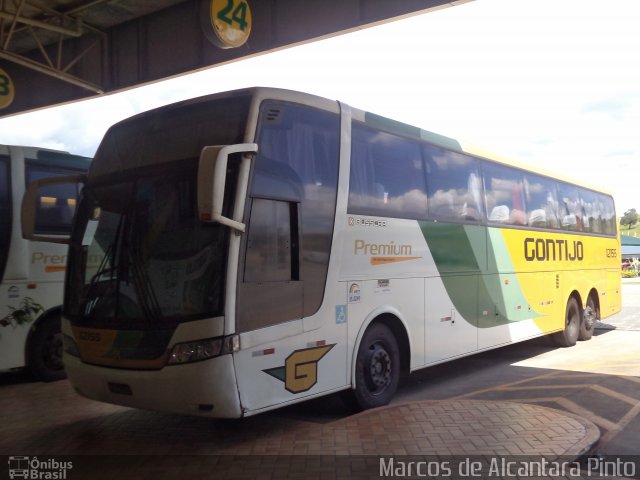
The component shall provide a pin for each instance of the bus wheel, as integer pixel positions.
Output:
(569, 336)
(45, 351)
(377, 368)
(589, 318)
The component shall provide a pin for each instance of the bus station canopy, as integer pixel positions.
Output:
(60, 51)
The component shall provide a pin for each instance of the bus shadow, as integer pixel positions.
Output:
(438, 382)
(17, 377)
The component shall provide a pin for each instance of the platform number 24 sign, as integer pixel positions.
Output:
(7, 90)
(231, 21)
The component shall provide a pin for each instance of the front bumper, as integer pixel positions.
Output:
(206, 388)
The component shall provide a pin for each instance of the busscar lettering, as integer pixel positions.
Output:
(549, 250)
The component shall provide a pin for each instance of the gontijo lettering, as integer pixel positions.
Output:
(547, 249)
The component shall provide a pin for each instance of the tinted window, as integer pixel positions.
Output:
(56, 203)
(541, 200)
(591, 212)
(453, 184)
(141, 258)
(504, 194)
(571, 215)
(297, 162)
(609, 220)
(387, 175)
(269, 249)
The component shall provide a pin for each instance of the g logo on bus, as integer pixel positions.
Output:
(300, 371)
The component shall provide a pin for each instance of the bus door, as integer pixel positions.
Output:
(284, 260)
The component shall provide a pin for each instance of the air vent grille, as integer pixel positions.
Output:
(273, 114)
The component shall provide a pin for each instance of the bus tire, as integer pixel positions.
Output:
(572, 321)
(590, 316)
(45, 351)
(377, 368)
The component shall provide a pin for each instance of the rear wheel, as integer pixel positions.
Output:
(377, 369)
(45, 351)
(590, 316)
(569, 336)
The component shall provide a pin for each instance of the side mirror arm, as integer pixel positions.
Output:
(212, 177)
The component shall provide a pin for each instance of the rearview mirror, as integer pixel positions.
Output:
(212, 177)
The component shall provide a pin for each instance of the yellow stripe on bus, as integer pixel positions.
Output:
(385, 260)
(54, 268)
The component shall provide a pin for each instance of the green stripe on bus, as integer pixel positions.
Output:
(462, 250)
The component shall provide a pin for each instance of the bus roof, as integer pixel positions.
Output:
(46, 156)
(374, 120)
(449, 143)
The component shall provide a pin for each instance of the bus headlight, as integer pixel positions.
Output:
(70, 346)
(198, 350)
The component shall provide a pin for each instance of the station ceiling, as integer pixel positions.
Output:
(59, 51)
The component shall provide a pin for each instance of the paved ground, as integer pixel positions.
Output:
(528, 399)
(71, 426)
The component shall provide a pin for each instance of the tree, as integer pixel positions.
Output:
(630, 217)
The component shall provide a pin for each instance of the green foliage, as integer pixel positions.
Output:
(629, 218)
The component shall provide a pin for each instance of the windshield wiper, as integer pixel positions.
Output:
(147, 299)
(90, 303)
(144, 289)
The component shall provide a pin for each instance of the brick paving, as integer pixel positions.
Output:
(50, 419)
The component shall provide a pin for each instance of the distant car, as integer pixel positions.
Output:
(629, 269)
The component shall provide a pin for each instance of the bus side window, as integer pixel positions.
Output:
(609, 221)
(453, 185)
(570, 209)
(504, 194)
(56, 203)
(387, 175)
(542, 201)
(272, 254)
(591, 211)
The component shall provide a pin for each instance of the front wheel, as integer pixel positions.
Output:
(569, 336)
(377, 368)
(45, 351)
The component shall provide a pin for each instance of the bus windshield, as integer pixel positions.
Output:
(140, 258)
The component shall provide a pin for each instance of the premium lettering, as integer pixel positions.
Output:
(549, 250)
(390, 248)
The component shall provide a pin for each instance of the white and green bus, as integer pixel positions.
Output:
(262, 247)
(32, 273)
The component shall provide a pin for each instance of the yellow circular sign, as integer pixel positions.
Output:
(7, 89)
(231, 21)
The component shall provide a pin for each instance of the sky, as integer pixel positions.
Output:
(551, 83)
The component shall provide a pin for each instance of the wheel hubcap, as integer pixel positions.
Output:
(590, 316)
(53, 352)
(379, 368)
(573, 319)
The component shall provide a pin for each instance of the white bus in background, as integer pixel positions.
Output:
(32, 273)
